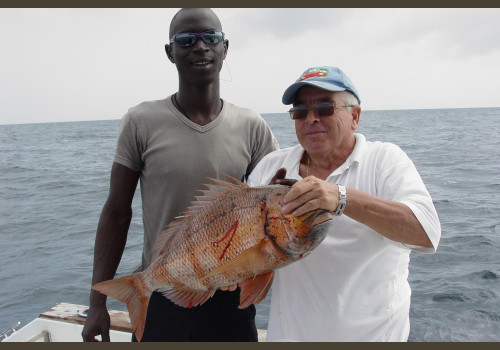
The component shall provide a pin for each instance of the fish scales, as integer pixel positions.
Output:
(211, 226)
(231, 234)
(206, 239)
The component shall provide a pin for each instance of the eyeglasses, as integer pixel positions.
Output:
(211, 37)
(322, 110)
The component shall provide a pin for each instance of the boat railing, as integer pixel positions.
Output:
(9, 331)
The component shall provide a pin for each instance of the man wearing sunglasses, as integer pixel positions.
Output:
(172, 146)
(353, 286)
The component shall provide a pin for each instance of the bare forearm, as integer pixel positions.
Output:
(110, 241)
(111, 238)
(391, 219)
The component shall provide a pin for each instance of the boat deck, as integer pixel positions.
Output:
(64, 323)
(72, 313)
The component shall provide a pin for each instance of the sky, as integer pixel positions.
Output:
(93, 64)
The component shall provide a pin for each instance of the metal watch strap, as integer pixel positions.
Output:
(342, 200)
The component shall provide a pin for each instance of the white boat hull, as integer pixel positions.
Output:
(46, 330)
(64, 323)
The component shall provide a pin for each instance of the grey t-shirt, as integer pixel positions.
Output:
(175, 156)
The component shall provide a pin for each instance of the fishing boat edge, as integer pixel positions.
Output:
(64, 323)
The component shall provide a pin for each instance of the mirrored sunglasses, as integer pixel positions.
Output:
(211, 37)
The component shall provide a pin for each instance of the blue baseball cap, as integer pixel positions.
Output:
(327, 78)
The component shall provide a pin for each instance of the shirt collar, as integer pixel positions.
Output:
(355, 157)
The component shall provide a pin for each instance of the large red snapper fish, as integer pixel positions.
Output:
(232, 234)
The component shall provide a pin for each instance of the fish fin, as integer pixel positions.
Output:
(207, 198)
(213, 194)
(164, 238)
(225, 185)
(197, 205)
(252, 259)
(131, 290)
(215, 189)
(178, 218)
(186, 298)
(236, 181)
(254, 290)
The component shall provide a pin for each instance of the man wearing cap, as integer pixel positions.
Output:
(353, 286)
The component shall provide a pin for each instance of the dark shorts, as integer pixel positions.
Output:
(218, 319)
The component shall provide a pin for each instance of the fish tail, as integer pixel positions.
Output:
(133, 291)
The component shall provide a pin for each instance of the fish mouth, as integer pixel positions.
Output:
(318, 223)
(321, 222)
(319, 217)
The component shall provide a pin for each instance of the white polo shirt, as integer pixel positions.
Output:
(354, 285)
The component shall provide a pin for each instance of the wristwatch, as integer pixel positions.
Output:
(342, 201)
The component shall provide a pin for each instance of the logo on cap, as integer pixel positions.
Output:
(313, 72)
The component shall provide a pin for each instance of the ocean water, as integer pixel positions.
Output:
(55, 178)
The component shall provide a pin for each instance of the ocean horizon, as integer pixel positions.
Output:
(55, 179)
